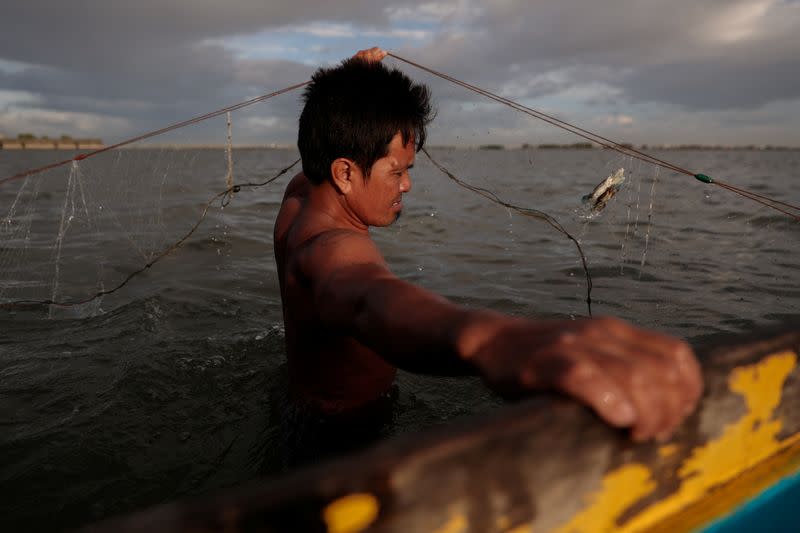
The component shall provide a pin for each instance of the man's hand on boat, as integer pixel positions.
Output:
(631, 377)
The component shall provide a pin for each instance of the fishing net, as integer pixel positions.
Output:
(74, 235)
(85, 236)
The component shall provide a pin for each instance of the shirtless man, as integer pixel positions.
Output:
(350, 322)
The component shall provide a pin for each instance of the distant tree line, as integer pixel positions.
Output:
(573, 146)
(30, 137)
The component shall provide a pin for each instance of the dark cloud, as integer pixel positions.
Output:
(150, 63)
(182, 83)
(675, 53)
(189, 71)
(94, 34)
(716, 85)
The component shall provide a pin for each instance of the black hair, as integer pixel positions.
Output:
(354, 110)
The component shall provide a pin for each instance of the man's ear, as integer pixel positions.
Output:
(343, 172)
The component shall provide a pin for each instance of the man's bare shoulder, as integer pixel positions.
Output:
(335, 249)
(294, 198)
(313, 244)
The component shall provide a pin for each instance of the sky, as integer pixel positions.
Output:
(640, 71)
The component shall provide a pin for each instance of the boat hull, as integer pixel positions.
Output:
(547, 464)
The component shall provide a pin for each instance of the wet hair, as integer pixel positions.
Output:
(354, 111)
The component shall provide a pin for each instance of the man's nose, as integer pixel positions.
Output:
(405, 183)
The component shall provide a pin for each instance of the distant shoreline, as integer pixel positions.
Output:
(85, 146)
(55, 145)
(642, 147)
(29, 141)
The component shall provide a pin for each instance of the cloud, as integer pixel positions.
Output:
(432, 12)
(56, 123)
(616, 120)
(720, 85)
(17, 98)
(626, 44)
(155, 62)
(740, 23)
(83, 33)
(261, 122)
(151, 63)
(325, 29)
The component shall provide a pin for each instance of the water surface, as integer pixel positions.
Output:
(171, 386)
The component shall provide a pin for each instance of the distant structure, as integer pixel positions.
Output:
(29, 141)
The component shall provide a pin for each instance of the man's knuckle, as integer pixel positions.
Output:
(682, 349)
(580, 372)
(671, 375)
(565, 340)
(638, 377)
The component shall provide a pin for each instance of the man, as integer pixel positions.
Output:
(350, 322)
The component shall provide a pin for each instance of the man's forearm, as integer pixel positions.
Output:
(411, 327)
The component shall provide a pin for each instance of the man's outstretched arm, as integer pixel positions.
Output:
(631, 377)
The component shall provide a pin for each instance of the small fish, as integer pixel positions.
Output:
(601, 194)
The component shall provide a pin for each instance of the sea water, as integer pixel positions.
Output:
(171, 386)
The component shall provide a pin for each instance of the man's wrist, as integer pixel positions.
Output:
(477, 330)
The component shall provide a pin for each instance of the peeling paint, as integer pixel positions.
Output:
(621, 488)
(743, 444)
(351, 514)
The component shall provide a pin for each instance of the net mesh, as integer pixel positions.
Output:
(80, 230)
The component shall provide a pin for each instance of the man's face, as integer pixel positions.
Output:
(379, 201)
